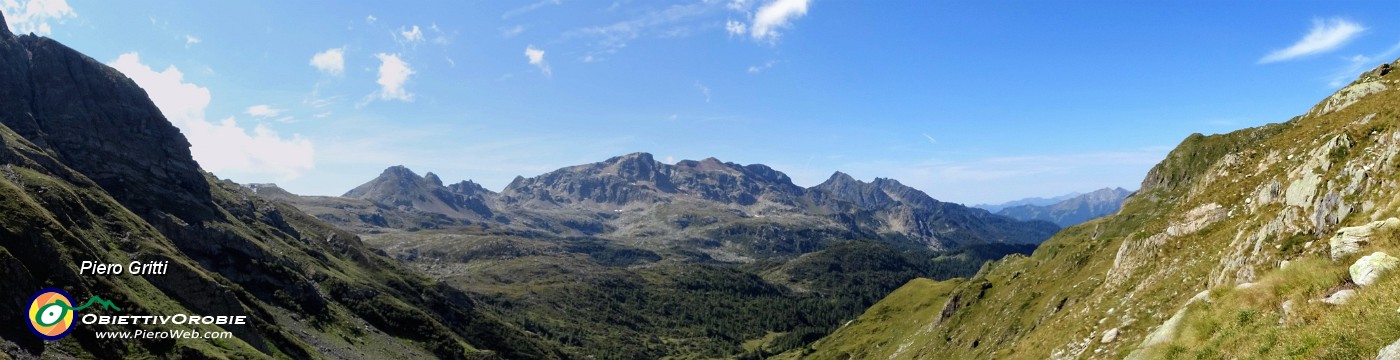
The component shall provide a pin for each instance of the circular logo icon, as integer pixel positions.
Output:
(51, 314)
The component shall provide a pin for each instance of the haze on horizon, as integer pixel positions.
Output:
(970, 102)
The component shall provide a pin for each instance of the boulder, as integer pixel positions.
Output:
(1109, 336)
(1340, 298)
(1350, 240)
(1369, 268)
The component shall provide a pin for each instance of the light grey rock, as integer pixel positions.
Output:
(1390, 352)
(1109, 336)
(1368, 269)
(1351, 240)
(1340, 298)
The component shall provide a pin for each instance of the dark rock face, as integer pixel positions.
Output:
(639, 178)
(101, 124)
(890, 206)
(400, 187)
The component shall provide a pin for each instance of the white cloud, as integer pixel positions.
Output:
(704, 90)
(774, 16)
(930, 138)
(536, 57)
(735, 27)
(1326, 35)
(263, 111)
(754, 69)
(190, 40)
(414, 35)
(331, 61)
(34, 16)
(512, 31)
(738, 5)
(528, 8)
(223, 145)
(393, 73)
(370, 19)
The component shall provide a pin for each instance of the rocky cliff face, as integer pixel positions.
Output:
(1268, 242)
(93, 171)
(1074, 210)
(100, 123)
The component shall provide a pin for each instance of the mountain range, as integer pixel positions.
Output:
(1037, 201)
(1071, 211)
(630, 233)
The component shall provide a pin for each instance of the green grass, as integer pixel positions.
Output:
(1060, 300)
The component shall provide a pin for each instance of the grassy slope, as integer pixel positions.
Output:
(1060, 301)
(55, 218)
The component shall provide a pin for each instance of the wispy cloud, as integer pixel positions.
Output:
(1326, 35)
(671, 22)
(370, 19)
(536, 58)
(190, 40)
(754, 69)
(704, 90)
(509, 32)
(1358, 63)
(331, 61)
(528, 8)
(263, 111)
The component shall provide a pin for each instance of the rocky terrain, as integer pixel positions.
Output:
(91, 170)
(1071, 211)
(1270, 242)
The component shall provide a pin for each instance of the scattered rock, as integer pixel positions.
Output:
(1349, 95)
(1340, 298)
(1368, 269)
(1244, 286)
(1109, 336)
(1390, 352)
(1287, 310)
(1350, 240)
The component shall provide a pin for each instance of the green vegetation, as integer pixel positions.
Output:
(599, 298)
(1221, 211)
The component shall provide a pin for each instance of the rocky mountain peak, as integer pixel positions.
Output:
(432, 178)
(100, 123)
(839, 178)
(4, 28)
(469, 187)
(394, 179)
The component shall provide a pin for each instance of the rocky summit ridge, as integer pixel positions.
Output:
(623, 188)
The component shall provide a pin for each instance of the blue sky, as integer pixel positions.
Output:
(971, 102)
